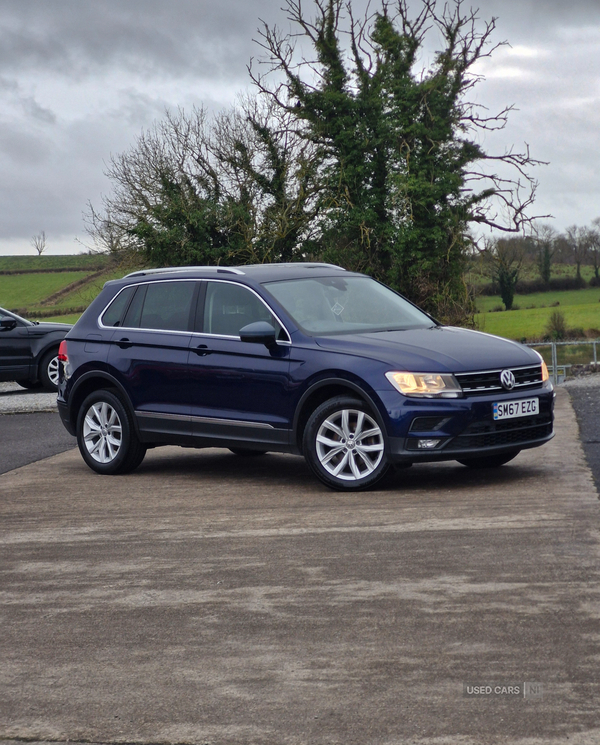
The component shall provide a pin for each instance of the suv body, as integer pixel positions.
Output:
(298, 358)
(29, 350)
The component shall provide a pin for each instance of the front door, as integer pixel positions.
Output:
(240, 390)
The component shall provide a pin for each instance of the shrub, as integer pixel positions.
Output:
(556, 328)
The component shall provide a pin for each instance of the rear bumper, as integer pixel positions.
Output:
(64, 417)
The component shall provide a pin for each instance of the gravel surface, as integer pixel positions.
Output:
(17, 400)
(585, 397)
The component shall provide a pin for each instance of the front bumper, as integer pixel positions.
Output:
(456, 429)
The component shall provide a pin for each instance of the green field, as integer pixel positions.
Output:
(31, 293)
(40, 287)
(85, 262)
(29, 290)
(581, 309)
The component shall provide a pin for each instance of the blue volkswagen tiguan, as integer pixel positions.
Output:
(301, 358)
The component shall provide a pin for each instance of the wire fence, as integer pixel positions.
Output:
(561, 357)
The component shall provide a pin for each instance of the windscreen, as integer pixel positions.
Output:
(336, 305)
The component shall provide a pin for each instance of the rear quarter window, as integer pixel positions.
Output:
(113, 315)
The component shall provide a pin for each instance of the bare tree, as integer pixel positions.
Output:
(545, 240)
(594, 246)
(503, 259)
(39, 242)
(575, 244)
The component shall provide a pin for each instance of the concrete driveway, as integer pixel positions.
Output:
(208, 598)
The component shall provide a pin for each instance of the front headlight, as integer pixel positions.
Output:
(425, 385)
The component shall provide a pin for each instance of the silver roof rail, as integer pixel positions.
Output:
(304, 264)
(175, 269)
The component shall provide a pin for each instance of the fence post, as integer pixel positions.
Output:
(554, 363)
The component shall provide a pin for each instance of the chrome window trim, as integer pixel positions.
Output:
(136, 328)
(192, 333)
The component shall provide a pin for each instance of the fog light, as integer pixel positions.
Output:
(428, 444)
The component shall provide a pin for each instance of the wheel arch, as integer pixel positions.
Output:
(322, 391)
(95, 381)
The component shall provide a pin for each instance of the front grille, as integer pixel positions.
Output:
(488, 381)
(509, 432)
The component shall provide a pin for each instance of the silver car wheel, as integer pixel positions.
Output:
(102, 432)
(52, 370)
(349, 444)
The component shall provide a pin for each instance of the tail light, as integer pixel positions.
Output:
(63, 362)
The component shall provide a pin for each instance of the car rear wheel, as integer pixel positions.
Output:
(49, 370)
(344, 445)
(106, 436)
(489, 461)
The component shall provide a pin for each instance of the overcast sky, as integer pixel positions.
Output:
(79, 79)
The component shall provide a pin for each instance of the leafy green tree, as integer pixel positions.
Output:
(349, 150)
(403, 174)
(236, 190)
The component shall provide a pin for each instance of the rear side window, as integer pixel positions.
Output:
(114, 313)
(165, 306)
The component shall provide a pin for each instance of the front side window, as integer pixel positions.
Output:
(336, 305)
(229, 307)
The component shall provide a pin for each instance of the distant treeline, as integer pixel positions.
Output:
(529, 286)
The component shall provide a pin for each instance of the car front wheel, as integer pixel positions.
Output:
(344, 445)
(106, 436)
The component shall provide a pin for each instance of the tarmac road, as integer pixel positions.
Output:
(213, 599)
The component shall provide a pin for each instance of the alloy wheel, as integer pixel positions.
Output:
(102, 432)
(349, 444)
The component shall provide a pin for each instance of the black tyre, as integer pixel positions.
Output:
(105, 434)
(344, 445)
(489, 461)
(246, 452)
(48, 373)
(29, 384)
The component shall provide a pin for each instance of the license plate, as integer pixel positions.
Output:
(514, 409)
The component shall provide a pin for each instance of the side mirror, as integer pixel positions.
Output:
(7, 324)
(260, 332)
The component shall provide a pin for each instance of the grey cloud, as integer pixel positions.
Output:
(33, 109)
(78, 37)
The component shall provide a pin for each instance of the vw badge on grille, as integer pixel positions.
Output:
(507, 379)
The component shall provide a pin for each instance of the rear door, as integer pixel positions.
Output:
(149, 354)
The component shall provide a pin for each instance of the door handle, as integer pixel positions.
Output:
(202, 350)
(124, 343)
